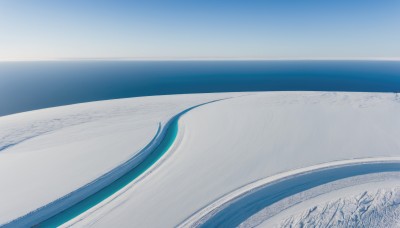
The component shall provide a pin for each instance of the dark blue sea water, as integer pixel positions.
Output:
(27, 86)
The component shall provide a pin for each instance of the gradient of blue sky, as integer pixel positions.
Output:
(273, 29)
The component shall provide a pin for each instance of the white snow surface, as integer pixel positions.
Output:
(46, 154)
(229, 144)
(221, 147)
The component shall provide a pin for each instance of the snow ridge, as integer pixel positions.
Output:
(24, 130)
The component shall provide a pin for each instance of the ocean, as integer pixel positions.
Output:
(26, 86)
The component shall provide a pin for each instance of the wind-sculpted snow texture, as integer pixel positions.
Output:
(290, 207)
(368, 209)
(219, 149)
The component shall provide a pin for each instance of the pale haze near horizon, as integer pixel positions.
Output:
(308, 29)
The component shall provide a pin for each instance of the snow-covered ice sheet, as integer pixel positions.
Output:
(226, 145)
(46, 154)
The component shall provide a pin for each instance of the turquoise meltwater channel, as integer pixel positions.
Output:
(94, 199)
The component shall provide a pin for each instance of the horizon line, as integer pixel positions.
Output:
(198, 59)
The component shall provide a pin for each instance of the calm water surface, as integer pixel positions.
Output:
(28, 86)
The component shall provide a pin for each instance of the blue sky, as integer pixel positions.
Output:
(270, 29)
